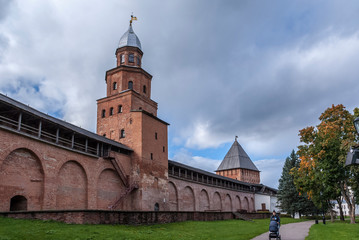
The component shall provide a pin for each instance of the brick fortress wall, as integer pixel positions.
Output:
(191, 196)
(51, 177)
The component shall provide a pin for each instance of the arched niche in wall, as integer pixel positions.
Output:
(109, 188)
(21, 173)
(216, 202)
(237, 204)
(173, 197)
(72, 187)
(187, 199)
(246, 204)
(227, 205)
(203, 201)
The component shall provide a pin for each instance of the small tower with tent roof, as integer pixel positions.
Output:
(237, 165)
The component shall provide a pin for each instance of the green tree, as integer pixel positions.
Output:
(290, 200)
(321, 173)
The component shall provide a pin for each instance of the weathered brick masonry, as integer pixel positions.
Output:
(192, 189)
(51, 177)
(127, 217)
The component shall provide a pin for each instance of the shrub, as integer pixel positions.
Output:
(316, 217)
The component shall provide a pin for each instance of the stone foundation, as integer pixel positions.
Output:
(126, 217)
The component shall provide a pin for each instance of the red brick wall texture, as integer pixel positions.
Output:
(243, 175)
(190, 196)
(127, 217)
(50, 177)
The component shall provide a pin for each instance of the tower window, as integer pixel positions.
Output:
(130, 85)
(119, 108)
(164, 149)
(122, 135)
(122, 58)
(151, 156)
(144, 89)
(111, 111)
(131, 58)
(103, 114)
(138, 61)
(114, 85)
(156, 136)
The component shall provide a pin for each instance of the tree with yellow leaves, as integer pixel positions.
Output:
(322, 174)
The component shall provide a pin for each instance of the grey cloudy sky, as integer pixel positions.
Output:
(261, 70)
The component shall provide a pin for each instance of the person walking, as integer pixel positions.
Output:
(274, 226)
(275, 217)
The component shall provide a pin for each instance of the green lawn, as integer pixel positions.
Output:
(230, 229)
(336, 230)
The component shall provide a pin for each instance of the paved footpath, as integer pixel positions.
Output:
(291, 231)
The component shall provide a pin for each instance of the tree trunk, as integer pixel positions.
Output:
(340, 209)
(352, 210)
(331, 215)
(349, 198)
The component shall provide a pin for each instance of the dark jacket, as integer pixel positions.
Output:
(275, 218)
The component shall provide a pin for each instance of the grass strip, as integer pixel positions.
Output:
(13, 229)
(335, 230)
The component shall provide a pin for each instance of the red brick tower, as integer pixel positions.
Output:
(128, 115)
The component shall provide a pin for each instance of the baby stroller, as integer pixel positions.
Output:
(274, 230)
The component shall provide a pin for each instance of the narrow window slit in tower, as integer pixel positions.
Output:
(130, 85)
